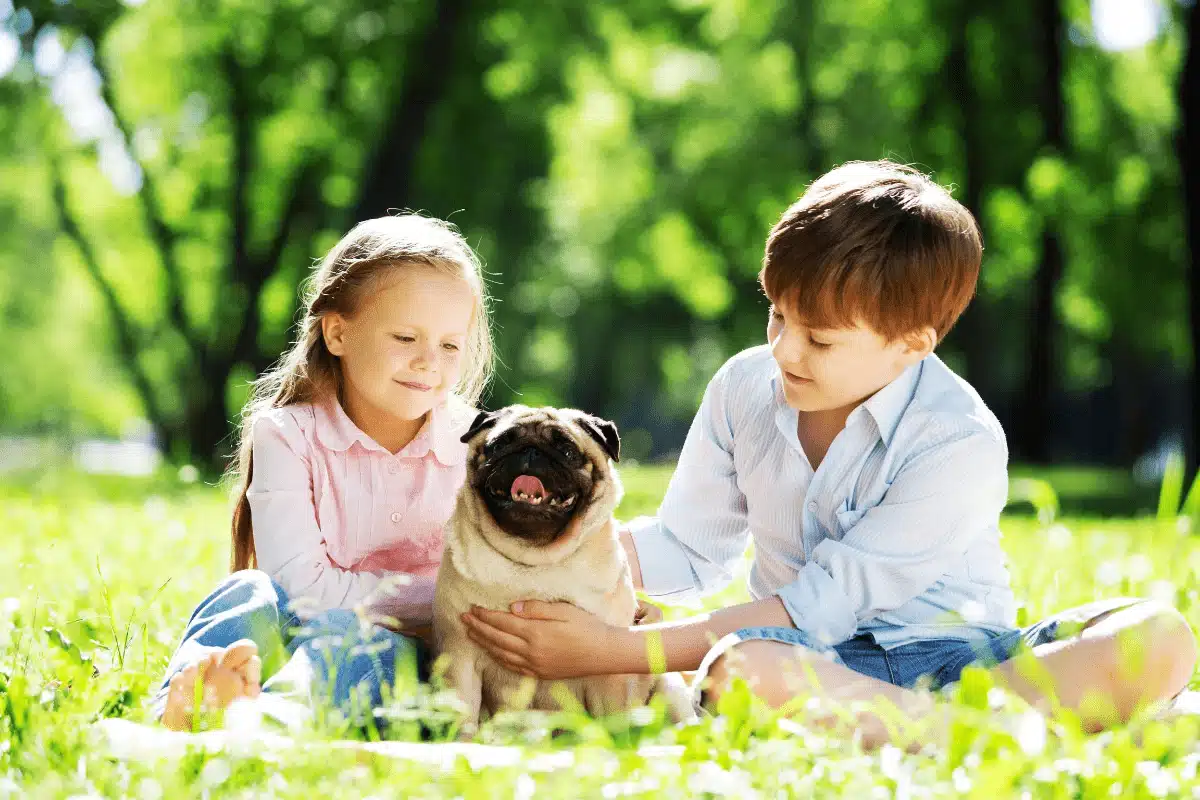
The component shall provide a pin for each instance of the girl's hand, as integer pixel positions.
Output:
(550, 641)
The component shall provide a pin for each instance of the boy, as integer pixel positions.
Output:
(871, 480)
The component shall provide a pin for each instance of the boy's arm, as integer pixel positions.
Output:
(700, 532)
(935, 509)
(555, 641)
(679, 646)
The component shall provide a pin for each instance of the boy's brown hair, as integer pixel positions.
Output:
(878, 243)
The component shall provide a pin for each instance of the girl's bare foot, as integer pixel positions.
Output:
(223, 677)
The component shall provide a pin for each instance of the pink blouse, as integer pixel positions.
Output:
(333, 510)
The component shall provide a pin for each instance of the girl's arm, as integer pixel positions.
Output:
(556, 641)
(289, 544)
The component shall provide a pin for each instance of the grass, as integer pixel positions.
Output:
(102, 574)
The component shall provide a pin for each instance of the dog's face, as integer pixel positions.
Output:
(537, 467)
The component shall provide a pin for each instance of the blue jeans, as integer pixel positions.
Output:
(935, 662)
(332, 657)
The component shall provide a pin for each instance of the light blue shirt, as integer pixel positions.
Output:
(895, 534)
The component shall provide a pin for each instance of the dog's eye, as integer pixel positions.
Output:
(568, 449)
(503, 440)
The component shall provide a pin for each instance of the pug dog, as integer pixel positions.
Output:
(534, 520)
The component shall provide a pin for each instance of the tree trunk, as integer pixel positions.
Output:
(209, 435)
(803, 43)
(971, 334)
(387, 181)
(1034, 422)
(1189, 166)
(202, 431)
(386, 185)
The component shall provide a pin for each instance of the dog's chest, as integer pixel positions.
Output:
(606, 596)
(596, 582)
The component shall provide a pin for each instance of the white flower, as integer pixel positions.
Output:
(1031, 733)
(1162, 592)
(890, 761)
(525, 787)
(1108, 573)
(150, 789)
(215, 772)
(1059, 537)
(155, 508)
(1140, 567)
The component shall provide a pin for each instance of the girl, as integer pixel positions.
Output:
(349, 465)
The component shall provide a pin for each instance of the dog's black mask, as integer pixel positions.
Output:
(534, 477)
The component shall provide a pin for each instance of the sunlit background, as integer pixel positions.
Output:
(169, 170)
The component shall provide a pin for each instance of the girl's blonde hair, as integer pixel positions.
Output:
(308, 372)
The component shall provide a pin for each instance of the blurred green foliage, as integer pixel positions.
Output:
(618, 165)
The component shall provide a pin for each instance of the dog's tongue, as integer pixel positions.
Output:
(529, 485)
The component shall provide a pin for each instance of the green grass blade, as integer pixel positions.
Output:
(1191, 505)
(1170, 494)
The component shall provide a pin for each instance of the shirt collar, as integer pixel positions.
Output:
(775, 379)
(439, 435)
(886, 406)
(445, 430)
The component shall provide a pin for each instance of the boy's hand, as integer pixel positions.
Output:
(550, 641)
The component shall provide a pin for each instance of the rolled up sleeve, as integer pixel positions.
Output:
(939, 504)
(701, 531)
(288, 542)
(666, 569)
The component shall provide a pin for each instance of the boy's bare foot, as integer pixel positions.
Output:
(224, 676)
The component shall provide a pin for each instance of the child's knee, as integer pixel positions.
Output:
(256, 585)
(1170, 638)
(712, 684)
(252, 577)
(1155, 650)
(738, 660)
(246, 595)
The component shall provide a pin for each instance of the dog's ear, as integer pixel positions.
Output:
(604, 432)
(483, 421)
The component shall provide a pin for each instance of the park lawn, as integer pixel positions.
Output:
(102, 574)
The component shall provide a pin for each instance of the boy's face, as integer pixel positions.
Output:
(838, 368)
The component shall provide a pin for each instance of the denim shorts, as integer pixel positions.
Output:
(935, 663)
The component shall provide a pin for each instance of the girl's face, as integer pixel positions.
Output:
(402, 350)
